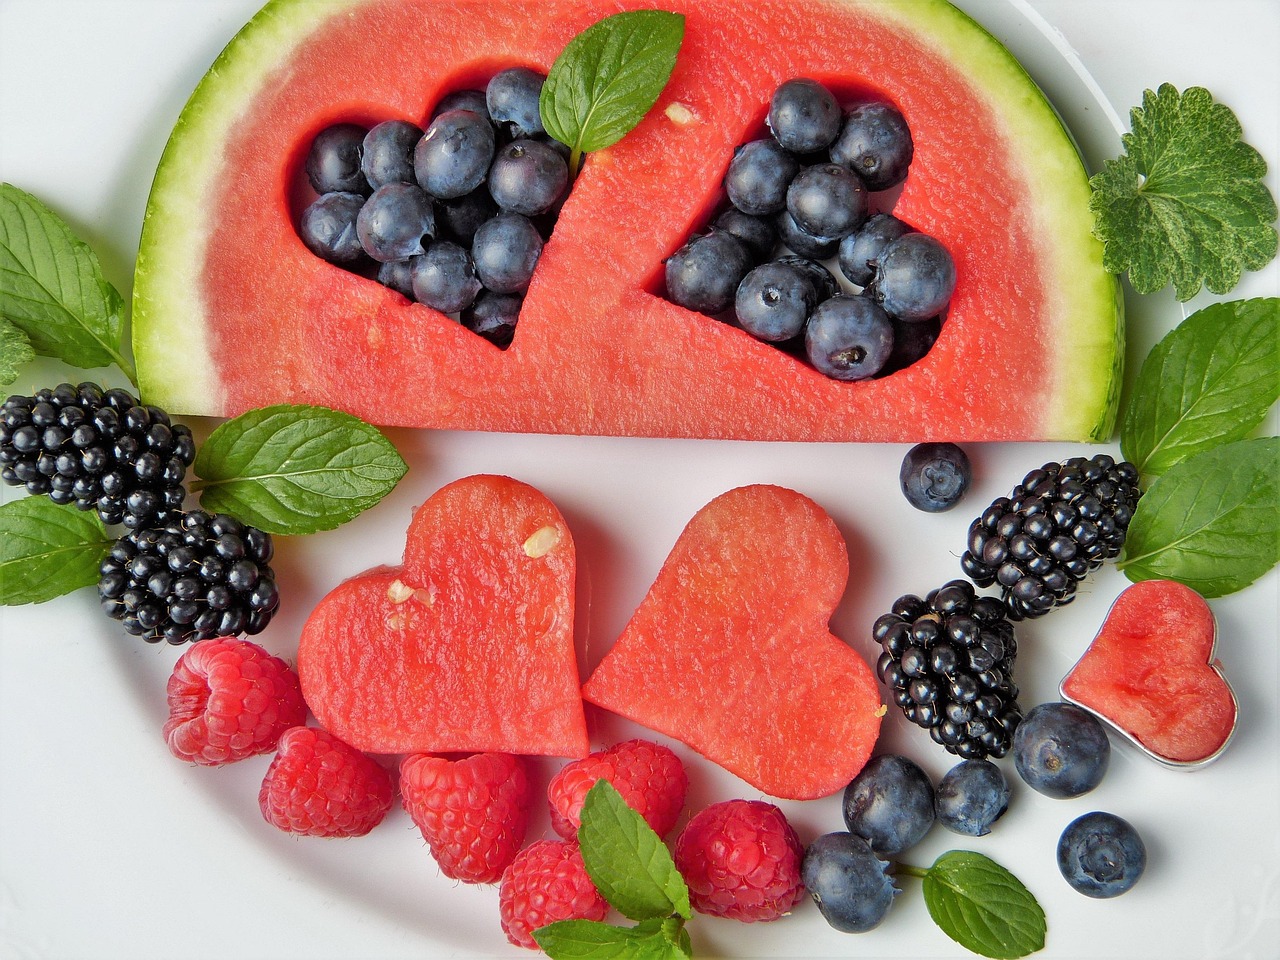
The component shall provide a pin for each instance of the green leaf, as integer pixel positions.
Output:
(629, 864)
(1209, 381)
(15, 350)
(294, 469)
(47, 550)
(608, 77)
(1211, 522)
(594, 940)
(1185, 203)
(52, 287)
(982, 906)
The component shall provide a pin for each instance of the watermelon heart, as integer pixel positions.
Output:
(466, 647)
(1151, 673)
(730, 651)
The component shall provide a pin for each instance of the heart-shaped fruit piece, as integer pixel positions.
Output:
(466, 647)
(1151, 673)
(730, 651)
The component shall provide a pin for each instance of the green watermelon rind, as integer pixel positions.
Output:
(171, 347)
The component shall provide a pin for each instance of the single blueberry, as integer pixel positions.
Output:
(704, 274)
(512, 98)
(972, 796)
(528, 177)
(493, 316)
(800, 241)
(333, 162)
(1061, 750)
(473, 100)
(398, 275)
(459, 219)
(826, 200)
(914, 278)
(890, 804)
(444, 278)
(860, 250)
(1101, 855)
(774, 300)
(394, 221)
(934, 476)
(758, 234)
(758, 176)
(388, 152)
(506, 250)
(804, 116)
(875, 143)
(848, 338)
(452, 158)
(328, 228)
(848, 882)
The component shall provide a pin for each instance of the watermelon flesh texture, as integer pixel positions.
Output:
(232, 312)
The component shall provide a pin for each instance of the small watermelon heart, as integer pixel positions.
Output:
(1151, 673)
(730, 651)
(466, 647)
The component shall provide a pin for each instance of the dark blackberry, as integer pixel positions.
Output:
(194, 577)
(1061, 522)
(98, 449)
(948, 661)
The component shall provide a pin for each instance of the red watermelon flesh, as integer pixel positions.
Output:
(468, 646)
(232, 312)
(738, 617)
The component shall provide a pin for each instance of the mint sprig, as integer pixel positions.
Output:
(47, 550)
(15, 351)
(607, 78)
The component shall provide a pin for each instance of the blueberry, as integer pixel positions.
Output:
(398, 275)
(758, 177)
(848, 882)
(774, 300)
(704, 274)
(512, 98)
(1061, 750)
(333, 162)
(473, 100)
(914, 278)
(758, 234)
(826, 200)
(848, 338)
(804, 116)
(328, 227)
(394, 221)
(493, 316)
(934, 476)
(799, 241)
(528, 177)
(1101, 855)
(875, 143)
(454, 155)
(972, 796)
(860, 250)
(388, 152)
(444, 278)
(889, 804)
(506, 250)
(459, 219)
(911, 342)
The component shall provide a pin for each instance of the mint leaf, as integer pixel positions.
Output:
(1186, 202)
(15, 350)
(52, 287)
(607, 78)
(1211, 522)
(47, 549)
(629, 864)
(1211, 380)
(294, 469)
(982, 906)
(595, 940)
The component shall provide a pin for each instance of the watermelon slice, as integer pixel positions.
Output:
(231, 311)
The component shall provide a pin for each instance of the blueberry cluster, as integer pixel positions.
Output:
(948, 659)
(810, 188)
(196, 576)
(98, 449)
(453, 217)
(1062, 521)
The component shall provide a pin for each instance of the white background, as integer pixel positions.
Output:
(110, 848)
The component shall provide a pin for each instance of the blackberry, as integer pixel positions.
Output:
(1061, 522)
(194, 577)
(948, 661)
(98, 449)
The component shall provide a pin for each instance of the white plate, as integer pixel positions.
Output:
(110, 848)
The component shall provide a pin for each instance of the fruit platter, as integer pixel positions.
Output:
(689, 550)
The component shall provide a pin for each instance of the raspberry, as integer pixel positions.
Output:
(546, 882)
(230, 699)
(741, 860)
(319, 786)
(472, 812)
(649, 777)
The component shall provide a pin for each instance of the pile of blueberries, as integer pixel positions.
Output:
(803, 195)
(453, 217)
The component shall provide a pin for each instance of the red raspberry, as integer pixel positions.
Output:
(546, 882)
(319, 786)
(648, 776)
(741, 860)
(230, 699)
(472, 812)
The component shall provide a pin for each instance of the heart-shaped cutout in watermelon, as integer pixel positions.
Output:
(468, 646)
(731, 653)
